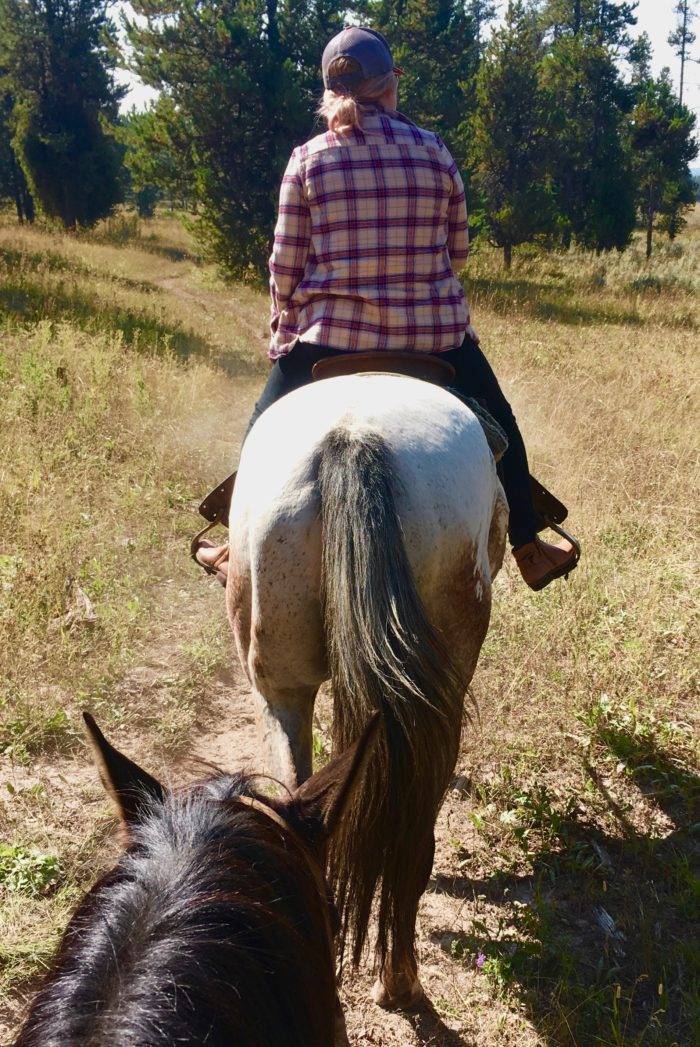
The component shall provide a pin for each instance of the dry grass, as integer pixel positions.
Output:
(565, 855)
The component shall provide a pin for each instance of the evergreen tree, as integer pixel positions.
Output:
(436, 42)
(243, 81)
(604, 22)
(58, 58)
(639, 58)
(13, 184)
(510, 150)
(481, 13)
(158, 153)
(663, 146)
(682, 38)
(587, 104)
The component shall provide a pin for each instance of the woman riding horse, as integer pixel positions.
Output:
(372, 228)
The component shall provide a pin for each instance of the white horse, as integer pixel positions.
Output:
(366, 527)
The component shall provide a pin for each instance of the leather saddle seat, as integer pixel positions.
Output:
(413, 365)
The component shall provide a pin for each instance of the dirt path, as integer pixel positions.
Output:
(229, 739)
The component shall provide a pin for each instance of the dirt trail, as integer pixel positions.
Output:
(228, 737)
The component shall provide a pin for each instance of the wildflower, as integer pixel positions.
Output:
(480, 960)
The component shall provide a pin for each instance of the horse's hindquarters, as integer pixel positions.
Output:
(369, 498)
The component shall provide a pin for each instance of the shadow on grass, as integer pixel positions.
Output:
(544, 302)
(598, 942)
(54, 262)
(30, 301)
(563, 304)
(173, 254)
(430, 1029)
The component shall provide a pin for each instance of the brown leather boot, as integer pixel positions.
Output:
(540, 562)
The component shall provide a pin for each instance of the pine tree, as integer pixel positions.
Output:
(510, 149)
(639, 58)
(436, 42)
(58, 58)
(604, 22)
(243, 81)
(663, 147)
(158, 153)
(13, 184)
(587, 104)
(682, 38)
(481, 13)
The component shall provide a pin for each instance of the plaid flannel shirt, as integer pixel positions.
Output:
(372, 226)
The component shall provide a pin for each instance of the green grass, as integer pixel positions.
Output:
(586, 922)
(23, 871)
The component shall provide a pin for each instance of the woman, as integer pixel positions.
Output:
(372, 228)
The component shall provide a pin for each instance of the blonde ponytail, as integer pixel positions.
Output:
(341, 112)
(344, 111)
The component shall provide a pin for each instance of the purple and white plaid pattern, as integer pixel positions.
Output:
(372, 226)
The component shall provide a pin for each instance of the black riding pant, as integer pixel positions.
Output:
(474, 378)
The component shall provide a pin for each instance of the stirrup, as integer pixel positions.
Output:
(551, 513)
(215, 509)
(196, 543)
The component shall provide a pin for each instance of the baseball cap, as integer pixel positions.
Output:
(368, 48)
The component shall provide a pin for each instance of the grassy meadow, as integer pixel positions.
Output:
(564, 902)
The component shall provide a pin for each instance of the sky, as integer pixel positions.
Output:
(656, 17)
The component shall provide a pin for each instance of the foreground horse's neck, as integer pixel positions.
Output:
(207, 931)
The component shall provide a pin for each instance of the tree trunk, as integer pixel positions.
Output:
(507, 255)
(17, 189)
(273, 33)
(683, 51)
(27, 204)
(577, 17)
(650, 229)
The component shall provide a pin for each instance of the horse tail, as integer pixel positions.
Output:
(383, 654)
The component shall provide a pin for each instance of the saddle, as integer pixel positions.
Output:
(412, 365)
(550, 512)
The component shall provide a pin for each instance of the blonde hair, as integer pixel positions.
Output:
(344, 111)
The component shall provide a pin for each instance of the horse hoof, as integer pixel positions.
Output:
(404, 994)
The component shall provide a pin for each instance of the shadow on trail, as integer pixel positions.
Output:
(430, 1029)
(598, 941)
(173, 254)
(30, 300)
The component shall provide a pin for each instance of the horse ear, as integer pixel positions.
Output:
(324, 796)
(132, 789)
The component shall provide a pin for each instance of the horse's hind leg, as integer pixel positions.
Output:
(460, 610)
(398, 986)
(286, 717)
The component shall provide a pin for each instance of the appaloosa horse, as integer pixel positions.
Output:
(366, 527)
(215, 926)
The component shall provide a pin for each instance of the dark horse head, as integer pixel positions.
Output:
(215, 926)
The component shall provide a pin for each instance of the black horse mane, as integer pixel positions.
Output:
(210, 930)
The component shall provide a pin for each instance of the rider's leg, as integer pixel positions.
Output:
(539, 562)
(288, 373)
(475, 378)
